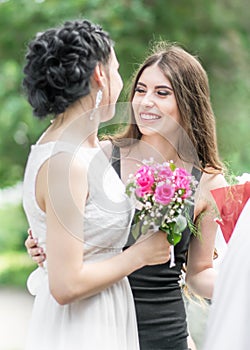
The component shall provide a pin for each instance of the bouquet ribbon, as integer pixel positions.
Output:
(230, 201)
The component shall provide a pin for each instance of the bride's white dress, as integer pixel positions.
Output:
(229, 317)
(105, 321)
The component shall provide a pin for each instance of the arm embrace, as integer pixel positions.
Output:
(63, 199)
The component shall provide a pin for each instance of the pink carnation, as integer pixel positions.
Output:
(145, 180)
(182, 181)
(164, 193)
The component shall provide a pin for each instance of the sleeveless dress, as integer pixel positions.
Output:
(160, 310)
(107, 320)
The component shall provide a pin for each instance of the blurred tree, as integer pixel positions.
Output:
(218, 32)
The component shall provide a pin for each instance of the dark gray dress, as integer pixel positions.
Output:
(161, 315)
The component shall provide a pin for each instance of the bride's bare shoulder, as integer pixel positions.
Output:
(107, 146)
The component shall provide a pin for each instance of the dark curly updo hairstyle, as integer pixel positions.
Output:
(59, 65)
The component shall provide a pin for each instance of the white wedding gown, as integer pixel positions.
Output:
(229, 317)
(105, 321)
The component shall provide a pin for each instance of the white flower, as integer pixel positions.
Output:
(171, 213)
(148, 205)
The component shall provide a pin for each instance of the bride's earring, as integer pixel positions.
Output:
(98, 98)
(97, 103)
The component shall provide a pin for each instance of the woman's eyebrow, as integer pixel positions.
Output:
(164, 87)
(157, 86)
(139, 83)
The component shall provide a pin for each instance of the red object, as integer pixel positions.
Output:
(230, 201)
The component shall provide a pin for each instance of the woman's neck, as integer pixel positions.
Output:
(74, 126)
(159, 148)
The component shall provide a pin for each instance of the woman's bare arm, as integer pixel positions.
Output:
(69, 278)
(201, 275)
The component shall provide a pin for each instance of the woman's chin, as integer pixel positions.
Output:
(149, 130)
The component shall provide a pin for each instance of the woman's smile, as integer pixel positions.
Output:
(149, 117)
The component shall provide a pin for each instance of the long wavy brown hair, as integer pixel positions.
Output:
(191, 88)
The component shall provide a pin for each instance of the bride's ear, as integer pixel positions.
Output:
(99, 75)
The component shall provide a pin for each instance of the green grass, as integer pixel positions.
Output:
(14, 268)
(15, 264)
(13, 228)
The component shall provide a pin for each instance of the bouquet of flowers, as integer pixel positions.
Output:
(163, 191)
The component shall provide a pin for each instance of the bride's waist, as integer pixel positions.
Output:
(40, 275)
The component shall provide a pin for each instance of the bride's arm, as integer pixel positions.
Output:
(69, 278)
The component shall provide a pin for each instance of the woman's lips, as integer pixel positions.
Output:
(149, 116)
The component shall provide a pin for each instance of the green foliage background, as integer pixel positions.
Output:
(217, 31)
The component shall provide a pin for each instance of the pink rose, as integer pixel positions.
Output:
(164, 193)
(182, 181)
(145, 179)
(165, 173)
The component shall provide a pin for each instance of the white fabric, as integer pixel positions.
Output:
(221, 248)
(107, 320)
(229, 318)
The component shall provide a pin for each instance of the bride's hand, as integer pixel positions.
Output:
(154, 248)
(35, 252)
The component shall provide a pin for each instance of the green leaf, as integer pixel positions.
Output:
(136, 230)
(129, 188)
(137, 217)
(164, 229)
(174, 229)
(145, 228)
(164, 226)
(194, 229)
(174, 237)
(181, 223)
(172, 166)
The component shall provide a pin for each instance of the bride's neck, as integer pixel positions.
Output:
(74, 126)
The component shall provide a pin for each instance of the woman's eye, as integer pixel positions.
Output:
(163, 92)
(140, 90)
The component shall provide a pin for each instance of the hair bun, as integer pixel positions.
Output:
(60, 63)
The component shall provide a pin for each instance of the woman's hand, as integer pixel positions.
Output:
(35, 252)
(153, 248)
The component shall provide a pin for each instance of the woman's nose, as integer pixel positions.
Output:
(148, 101)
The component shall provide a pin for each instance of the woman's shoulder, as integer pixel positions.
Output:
(107, 147)
(106, 143)
(212, 178)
